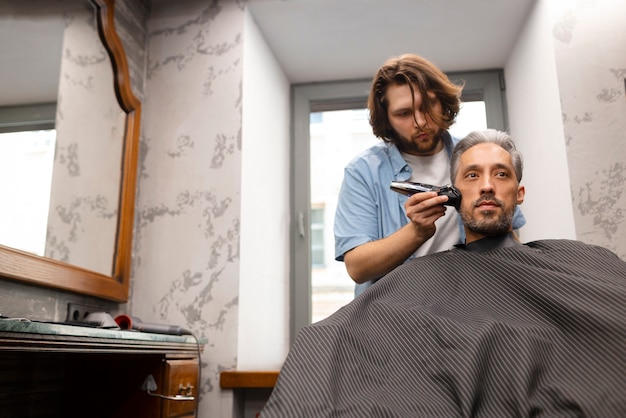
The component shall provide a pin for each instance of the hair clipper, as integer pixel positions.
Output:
(409, 188)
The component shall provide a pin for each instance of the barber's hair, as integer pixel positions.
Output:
(414, 71)
(493, 136)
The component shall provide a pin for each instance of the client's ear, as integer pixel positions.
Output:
(521, 191)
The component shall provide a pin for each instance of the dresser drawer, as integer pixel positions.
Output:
(180, 378)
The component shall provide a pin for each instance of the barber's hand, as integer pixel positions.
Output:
(423, 209)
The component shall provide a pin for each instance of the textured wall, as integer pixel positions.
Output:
(186, 244)
(590, 49)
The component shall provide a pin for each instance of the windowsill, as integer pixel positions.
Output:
(233, 379)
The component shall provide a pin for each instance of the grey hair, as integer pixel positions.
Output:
(493, 136)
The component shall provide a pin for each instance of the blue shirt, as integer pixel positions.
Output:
(367, 209)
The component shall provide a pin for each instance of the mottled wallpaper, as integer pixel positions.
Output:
(590, 50)
(186, 243)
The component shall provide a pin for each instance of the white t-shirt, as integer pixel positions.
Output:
(435, 170)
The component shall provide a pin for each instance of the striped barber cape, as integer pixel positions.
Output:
(534, 330)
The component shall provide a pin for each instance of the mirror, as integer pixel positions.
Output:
(109, 277)
(83, 204)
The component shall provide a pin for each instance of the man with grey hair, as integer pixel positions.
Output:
(491, 328)
(483, 163)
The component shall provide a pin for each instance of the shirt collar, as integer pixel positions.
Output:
(490, 243)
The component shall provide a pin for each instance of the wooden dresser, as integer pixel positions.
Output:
(54, 370)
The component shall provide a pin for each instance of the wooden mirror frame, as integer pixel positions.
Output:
(37, 270)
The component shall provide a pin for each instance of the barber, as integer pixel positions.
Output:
(412, 103)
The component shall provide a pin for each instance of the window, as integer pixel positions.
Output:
(27, 145)
(331, 127)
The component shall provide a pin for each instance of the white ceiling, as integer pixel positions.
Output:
(323, 40)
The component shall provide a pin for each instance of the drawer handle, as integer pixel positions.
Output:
(184, 393)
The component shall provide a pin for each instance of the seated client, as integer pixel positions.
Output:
(492, 328)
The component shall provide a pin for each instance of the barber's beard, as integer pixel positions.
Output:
(489, 226)
(416, 147)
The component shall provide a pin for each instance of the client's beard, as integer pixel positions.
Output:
(489, 227)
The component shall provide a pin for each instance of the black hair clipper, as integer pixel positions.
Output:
(409, 188)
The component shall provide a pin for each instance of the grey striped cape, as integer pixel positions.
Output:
(536, 330)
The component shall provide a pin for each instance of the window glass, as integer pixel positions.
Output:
(26, 169)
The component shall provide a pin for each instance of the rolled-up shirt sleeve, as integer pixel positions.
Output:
(357, 215)
(367, 209)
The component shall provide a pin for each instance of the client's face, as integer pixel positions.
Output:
(486, 179)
